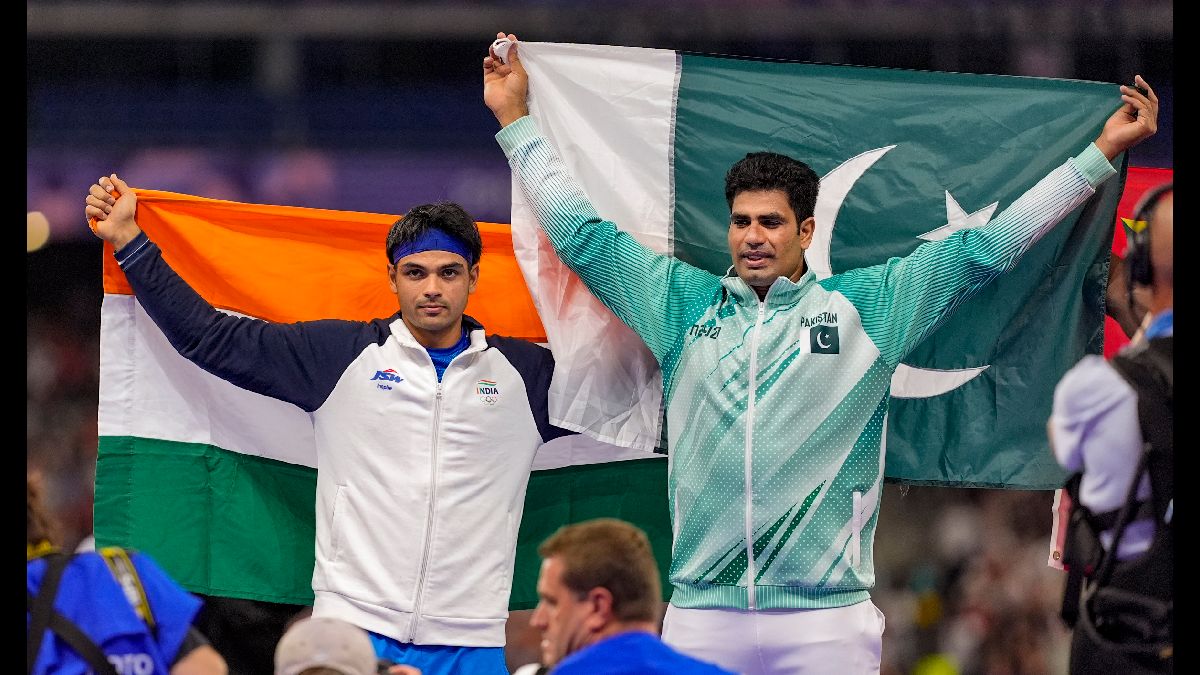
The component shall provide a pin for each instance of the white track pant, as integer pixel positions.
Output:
(840, 640)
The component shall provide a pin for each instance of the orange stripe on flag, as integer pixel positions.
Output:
(289, 263)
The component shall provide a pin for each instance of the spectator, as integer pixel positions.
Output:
(600, 602)
(1111, 426)
(326, 646)
(108, 611)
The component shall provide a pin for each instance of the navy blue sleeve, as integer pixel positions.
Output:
(295, 362)
(536, 365)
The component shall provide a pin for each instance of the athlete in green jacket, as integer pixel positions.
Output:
(776, 384)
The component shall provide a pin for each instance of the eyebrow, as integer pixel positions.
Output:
(773, 215)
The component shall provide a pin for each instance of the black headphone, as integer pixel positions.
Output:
(1137, 247)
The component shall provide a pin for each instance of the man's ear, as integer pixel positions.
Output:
(391, 273)
(473, 275)
(807, 227)
(600, 605)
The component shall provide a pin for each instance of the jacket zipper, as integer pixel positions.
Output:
(437, 423)
(750, 597)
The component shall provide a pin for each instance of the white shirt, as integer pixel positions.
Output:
(1094, 425)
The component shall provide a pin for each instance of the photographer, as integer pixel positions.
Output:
(1111, 426)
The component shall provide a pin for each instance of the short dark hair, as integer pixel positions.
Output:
(445, 216)
(613, 554)
(773, 171)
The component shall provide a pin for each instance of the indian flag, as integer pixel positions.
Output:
(217, 483)
(905, 157)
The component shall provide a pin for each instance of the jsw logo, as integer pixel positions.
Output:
(388, 375)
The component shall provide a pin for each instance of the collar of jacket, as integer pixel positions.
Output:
(474, 329)
(782, 292)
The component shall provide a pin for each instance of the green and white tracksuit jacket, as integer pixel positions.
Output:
(776, 410)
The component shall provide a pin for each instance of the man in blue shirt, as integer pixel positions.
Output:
(600, 603)
(111, 605)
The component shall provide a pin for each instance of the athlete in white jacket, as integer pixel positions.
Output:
(425, 430)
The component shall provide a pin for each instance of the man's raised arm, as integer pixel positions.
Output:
(296, 362)
(905, 299)
(655, 295)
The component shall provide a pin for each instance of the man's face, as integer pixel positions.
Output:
(432, 289)
(765, 240)
(565, 619)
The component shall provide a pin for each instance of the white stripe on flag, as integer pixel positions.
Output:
(610, 113)
(148, 390)
(577, 450)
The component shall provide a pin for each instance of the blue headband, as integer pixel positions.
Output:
(433, 239)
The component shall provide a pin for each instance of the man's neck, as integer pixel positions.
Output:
(1162, 300)
(794, 278)
(618, 628)
(1161, 322)
(443, 339)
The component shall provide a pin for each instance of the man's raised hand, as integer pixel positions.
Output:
(505, 84)
(110, 209)
(1135, 121)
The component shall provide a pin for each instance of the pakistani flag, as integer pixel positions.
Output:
(905, 157)
(218, 483)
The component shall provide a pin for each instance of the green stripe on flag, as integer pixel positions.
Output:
(228, 524)
(634, 490)
(220, 522)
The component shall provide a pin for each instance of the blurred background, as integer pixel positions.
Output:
(376, 106)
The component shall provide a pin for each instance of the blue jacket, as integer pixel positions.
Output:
(633, 653)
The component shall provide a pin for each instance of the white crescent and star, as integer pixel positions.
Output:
(821, 343)
(907, 381)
